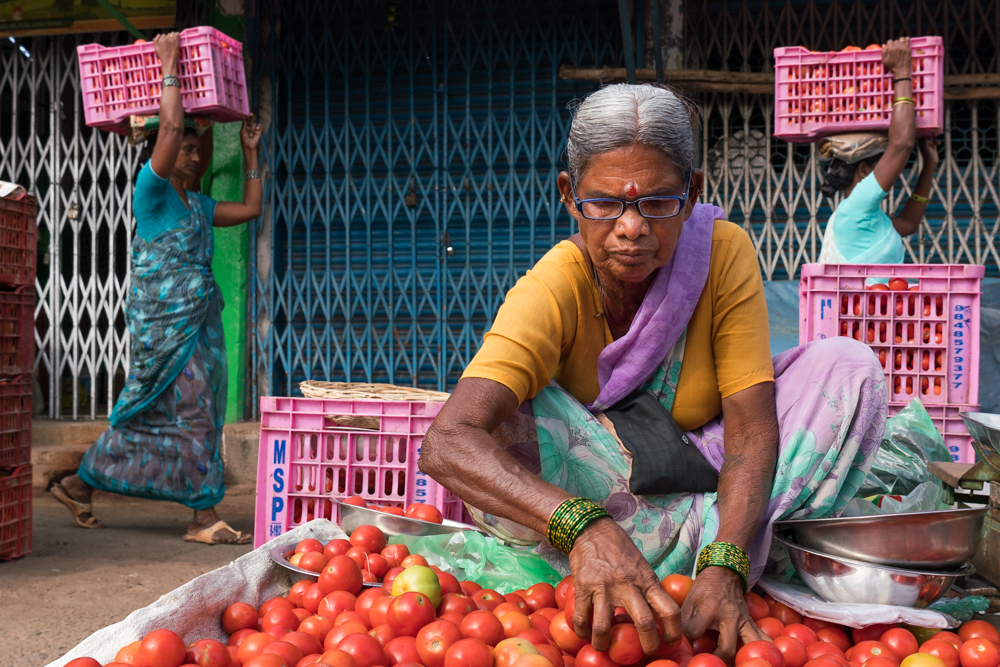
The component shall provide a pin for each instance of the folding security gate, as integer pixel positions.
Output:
(414, 148)
(83, 180)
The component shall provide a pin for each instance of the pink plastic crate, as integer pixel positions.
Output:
(306, 461)
(15, 421)
(819, 94)
(15, 512)
(926, 339)
(121, 81)
(18, 244)
(17, 331)
(946, 419)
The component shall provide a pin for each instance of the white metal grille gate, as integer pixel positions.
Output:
(83, 180)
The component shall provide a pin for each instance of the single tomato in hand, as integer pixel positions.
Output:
(758, 608)
(677, 586)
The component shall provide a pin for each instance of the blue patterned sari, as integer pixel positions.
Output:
(164, 439)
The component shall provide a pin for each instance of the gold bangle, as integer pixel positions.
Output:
(903, 100)
(917, 198)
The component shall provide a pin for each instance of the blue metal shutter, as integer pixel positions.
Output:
(454, 106)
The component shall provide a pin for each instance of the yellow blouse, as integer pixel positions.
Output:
(551, 327)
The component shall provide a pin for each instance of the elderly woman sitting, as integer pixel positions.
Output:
(624, 408)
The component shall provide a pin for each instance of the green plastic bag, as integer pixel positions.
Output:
(475, 557)
(911, 441)
(961, 610)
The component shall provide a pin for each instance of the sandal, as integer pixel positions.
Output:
(78, 509)
(207, 535)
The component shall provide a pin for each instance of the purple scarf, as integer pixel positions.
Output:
(627, 363)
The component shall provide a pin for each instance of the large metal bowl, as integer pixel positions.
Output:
(352, 516)
(844, 580)
(939, 540)
(280, 555)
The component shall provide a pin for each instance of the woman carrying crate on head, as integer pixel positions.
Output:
(865, 167)
(166, 428)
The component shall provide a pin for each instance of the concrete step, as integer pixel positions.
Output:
(57, 447)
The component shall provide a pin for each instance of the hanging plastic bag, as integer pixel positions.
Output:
(911, 441)
(475, 557)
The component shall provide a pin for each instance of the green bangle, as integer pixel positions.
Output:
(569, 519)
(724, 554)
(917, 198)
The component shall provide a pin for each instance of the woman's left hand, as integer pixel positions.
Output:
(928, 147)
(715, 602)
(250, 135)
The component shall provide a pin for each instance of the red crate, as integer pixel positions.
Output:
(122, 81)
(15, 512)
(927, 338)
(817, 94)
(17, 331)
(18, 240)
(305, 461)
(946, 419)
(15, 421)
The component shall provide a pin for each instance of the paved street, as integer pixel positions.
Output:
(76, 581)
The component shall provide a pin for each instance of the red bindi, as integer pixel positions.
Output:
(631, 190)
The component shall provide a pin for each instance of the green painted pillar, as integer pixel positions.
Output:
(224, 181)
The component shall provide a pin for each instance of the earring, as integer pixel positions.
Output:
(563, 198)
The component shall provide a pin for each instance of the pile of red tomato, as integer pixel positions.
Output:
(423, 617)
(421, 511)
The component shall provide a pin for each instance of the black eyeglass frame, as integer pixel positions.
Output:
(637, 203)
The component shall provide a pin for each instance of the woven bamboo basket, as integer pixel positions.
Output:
(354, 391)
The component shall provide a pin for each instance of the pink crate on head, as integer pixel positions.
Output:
(18, 245)
(817, 94)
(15, 421)
(121, 81)
(306, 461)
(15, 512)
(926, 337)
(17, 331)
(946, 419)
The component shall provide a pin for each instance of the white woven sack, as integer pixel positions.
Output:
(194, 611)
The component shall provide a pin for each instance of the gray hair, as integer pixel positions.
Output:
(623, 115)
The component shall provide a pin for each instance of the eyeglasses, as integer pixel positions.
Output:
(649, 207)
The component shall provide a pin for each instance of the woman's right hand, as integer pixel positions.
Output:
(168, 48)
(897, 58)
(609, 571)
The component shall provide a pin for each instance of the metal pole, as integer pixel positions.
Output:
(627, 48)
(654, 8)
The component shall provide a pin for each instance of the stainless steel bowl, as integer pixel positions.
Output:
(985, 431)
(352, 516)
(844, 580)
(936, 540)
(280, 555)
